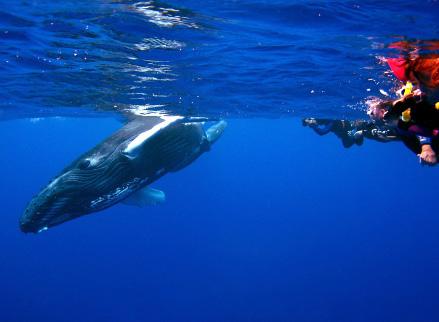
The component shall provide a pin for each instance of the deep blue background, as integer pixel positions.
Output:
(274, 223)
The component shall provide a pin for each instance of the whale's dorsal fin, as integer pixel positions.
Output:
(145, 197)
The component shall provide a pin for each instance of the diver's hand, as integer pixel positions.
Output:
(418, 93)
(427, 155)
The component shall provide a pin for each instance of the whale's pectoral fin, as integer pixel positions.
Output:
(214, 132)
(146, 197)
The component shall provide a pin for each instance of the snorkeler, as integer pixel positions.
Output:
(415, 121)
(352, 132)
(342, 129)
(415, 116)
(424, 147)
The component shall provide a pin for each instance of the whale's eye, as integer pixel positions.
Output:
(84, 164)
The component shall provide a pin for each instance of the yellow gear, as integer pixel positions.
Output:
(405, 116)
(408, 88)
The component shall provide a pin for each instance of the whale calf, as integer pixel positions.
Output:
(121, 168)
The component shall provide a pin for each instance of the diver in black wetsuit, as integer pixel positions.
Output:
(352, 132)
(341, 128)
(416, 114)
(416, 122)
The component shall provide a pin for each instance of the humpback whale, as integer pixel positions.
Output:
(120, 169)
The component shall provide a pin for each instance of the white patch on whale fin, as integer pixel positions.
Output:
(135, 145)
(145, 197)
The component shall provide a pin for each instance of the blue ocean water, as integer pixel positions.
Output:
(274, 223)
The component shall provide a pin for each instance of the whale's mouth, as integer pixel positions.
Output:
(56, 205)
(42, 214)
(70, 194)
(38, 226)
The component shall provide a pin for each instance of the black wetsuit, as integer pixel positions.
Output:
(342, 129)
(423, 123)
(354, 132)
(424, 117)
(377, 132)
